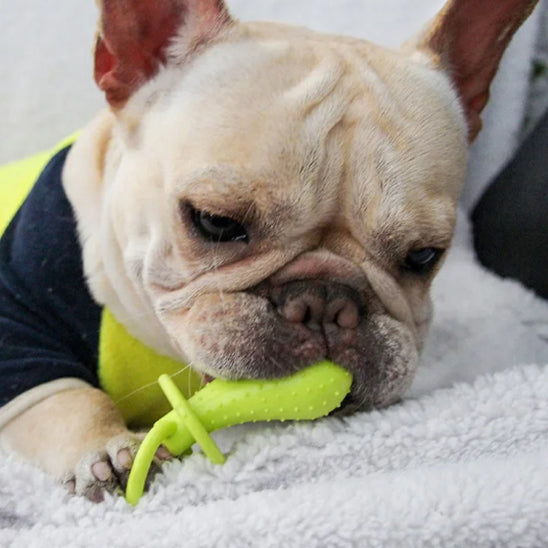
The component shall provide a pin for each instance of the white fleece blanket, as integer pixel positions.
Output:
(465, 465)
(453, 465)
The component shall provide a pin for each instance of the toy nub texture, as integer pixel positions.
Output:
(309, 394)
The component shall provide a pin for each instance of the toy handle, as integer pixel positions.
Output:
(177, 430)
(187, 424)
(308, 394)
(161, 430)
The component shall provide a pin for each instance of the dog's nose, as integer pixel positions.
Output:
(315, 304)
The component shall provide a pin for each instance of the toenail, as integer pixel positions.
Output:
(70, 486)
(95, 494)
(163, 454)
(124, 458)
(102, 470)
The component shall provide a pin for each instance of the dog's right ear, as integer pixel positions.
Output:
(135, 35)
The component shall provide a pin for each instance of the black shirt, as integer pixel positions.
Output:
(49, 322)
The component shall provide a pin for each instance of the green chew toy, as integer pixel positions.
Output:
(308, 394)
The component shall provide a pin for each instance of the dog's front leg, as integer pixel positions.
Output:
(78, 436)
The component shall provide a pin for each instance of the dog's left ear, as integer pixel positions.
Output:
(468, 38)
(135, 35)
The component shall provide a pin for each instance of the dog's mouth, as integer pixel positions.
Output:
(247, 338)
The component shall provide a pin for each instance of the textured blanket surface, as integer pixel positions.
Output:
(455, 465)
(465, 464)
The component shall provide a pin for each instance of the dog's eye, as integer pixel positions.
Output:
(422, 261)
(216, 228)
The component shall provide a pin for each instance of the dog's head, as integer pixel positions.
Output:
(261, 197)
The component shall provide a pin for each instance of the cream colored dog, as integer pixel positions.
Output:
(259, 197)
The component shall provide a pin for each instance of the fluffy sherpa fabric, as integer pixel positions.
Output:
(465, 465)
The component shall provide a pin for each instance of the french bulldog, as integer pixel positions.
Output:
(257, 197)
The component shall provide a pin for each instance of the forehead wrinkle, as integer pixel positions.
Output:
(373, 116)
(319, 100)
(316, 84)
(220, 181)
(229, 190)
(401, 166)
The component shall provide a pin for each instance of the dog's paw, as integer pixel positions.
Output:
(107, 470)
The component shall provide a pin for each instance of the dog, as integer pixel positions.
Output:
(257, 197)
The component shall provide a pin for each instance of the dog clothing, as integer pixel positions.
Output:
(52, 332)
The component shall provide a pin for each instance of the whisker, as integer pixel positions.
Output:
(248, 211)
(187, 368)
